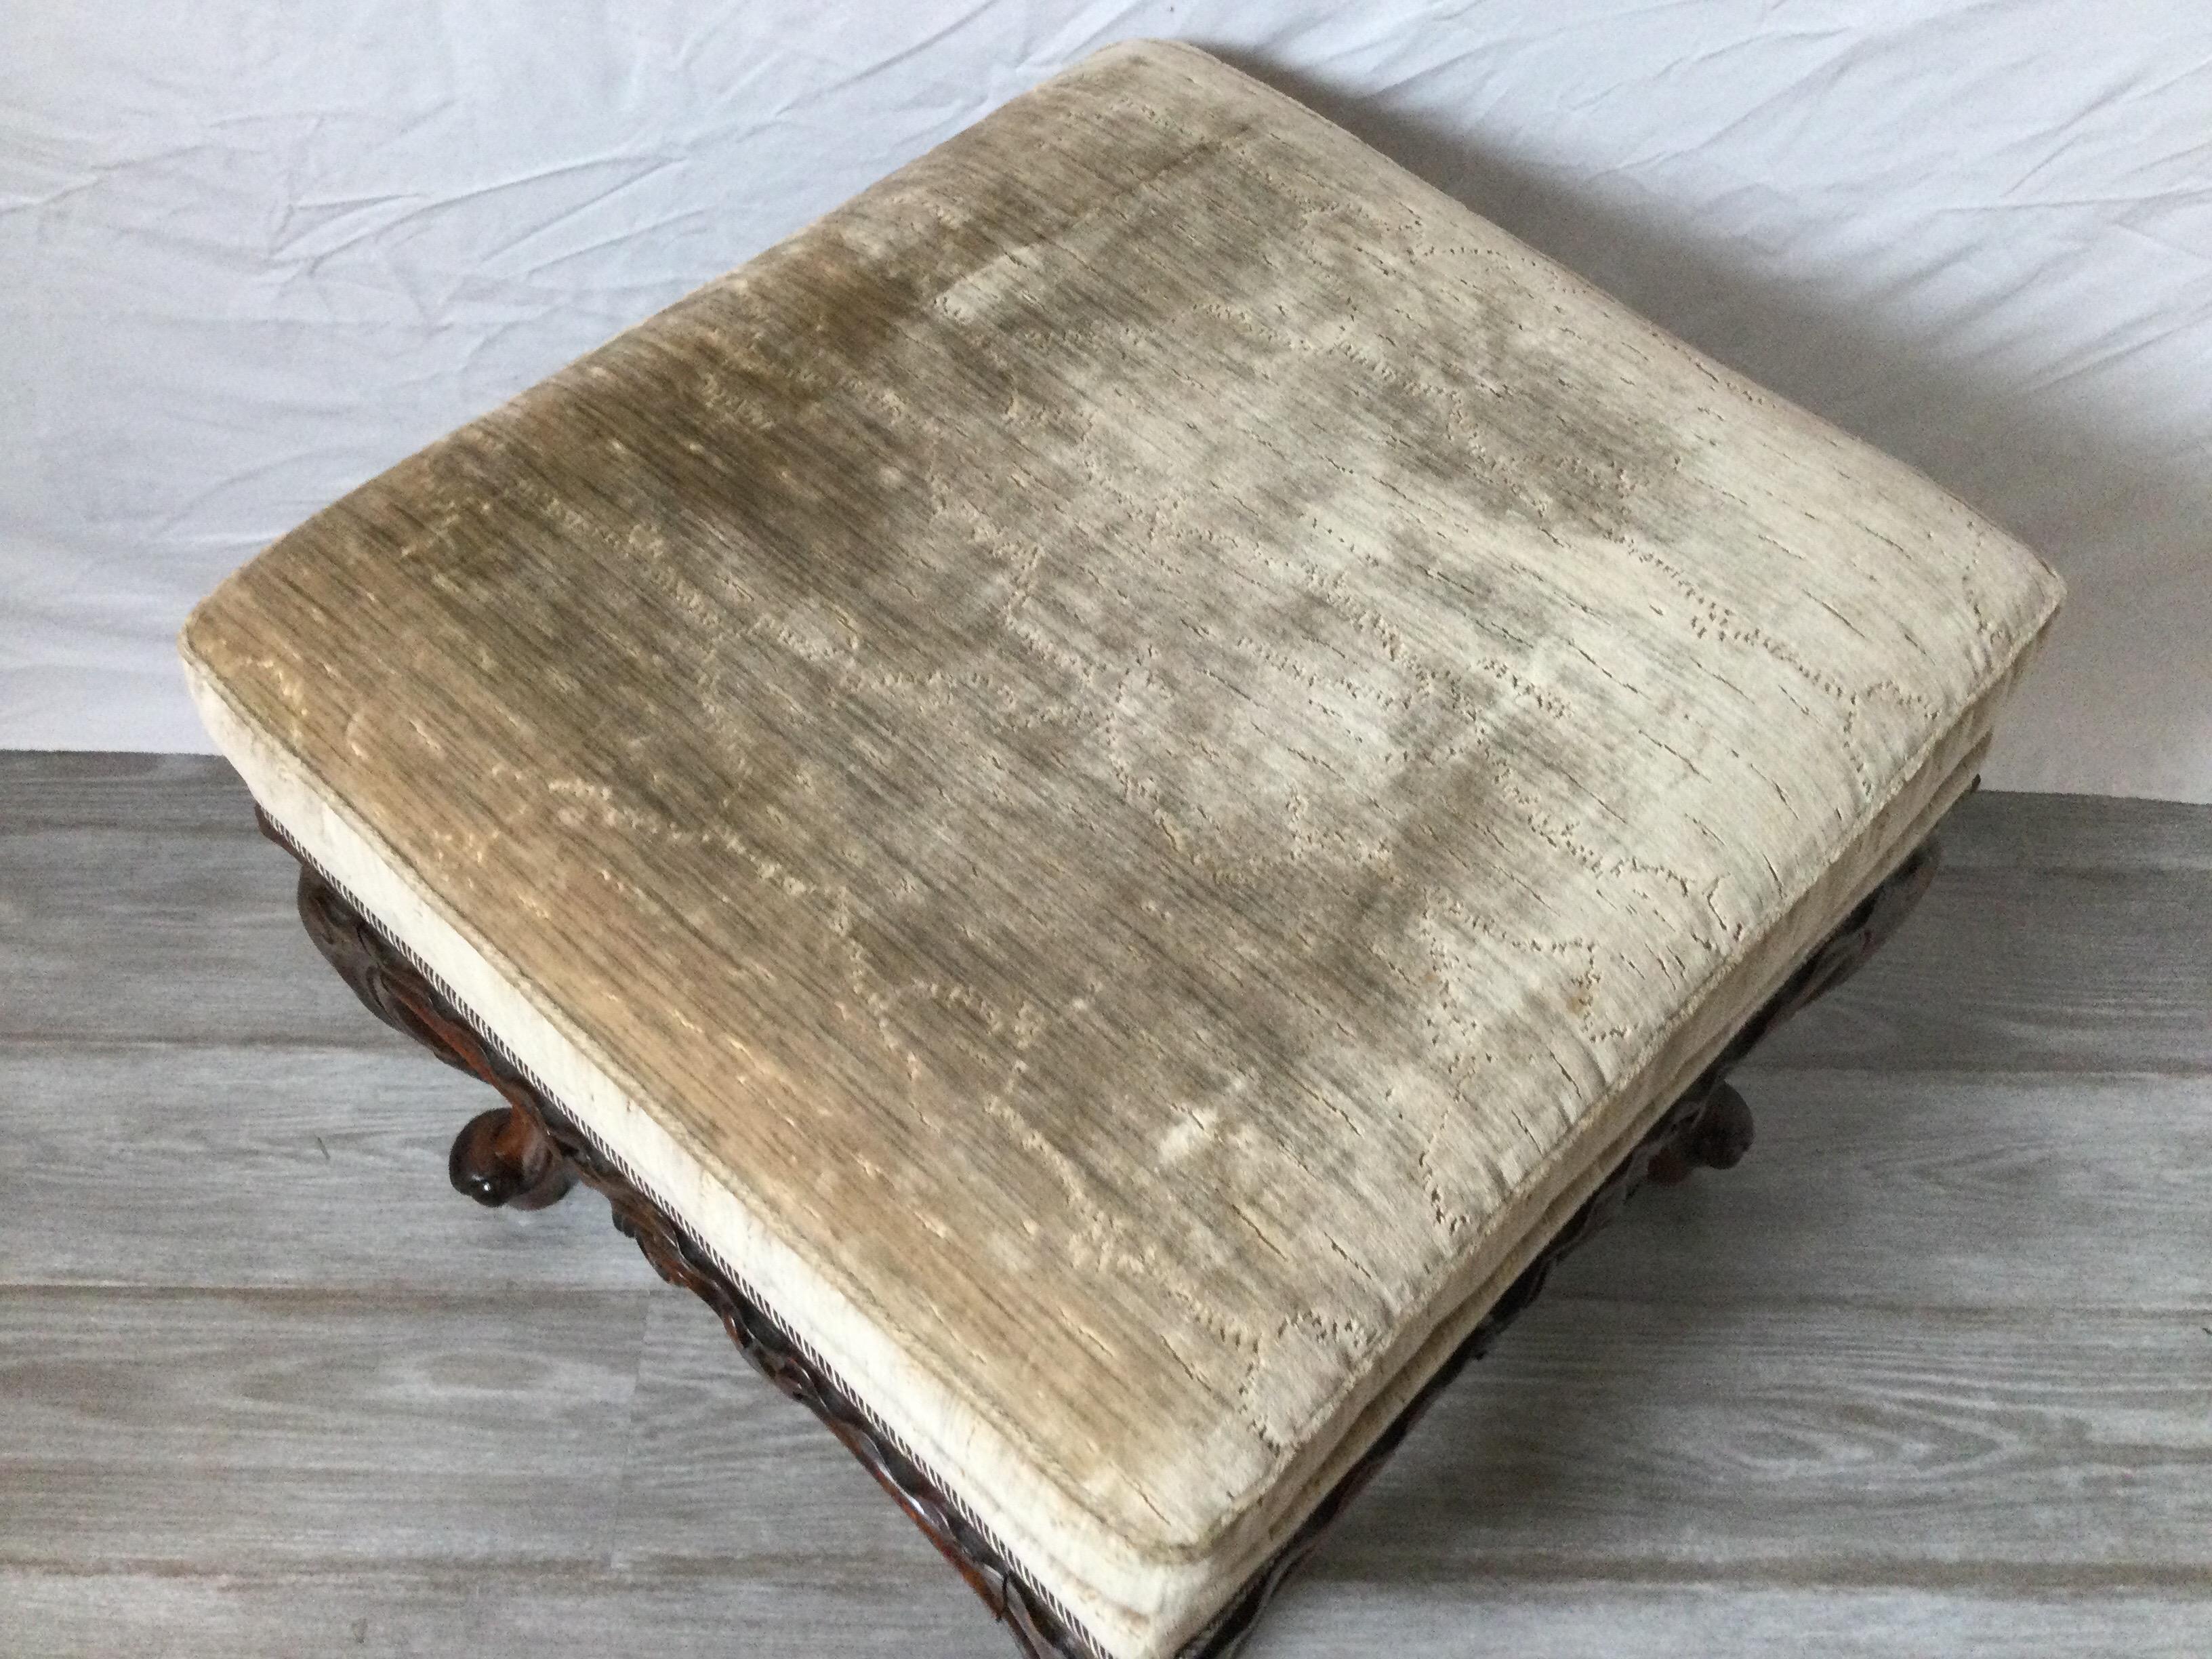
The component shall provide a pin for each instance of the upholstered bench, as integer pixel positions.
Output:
(1111, 795)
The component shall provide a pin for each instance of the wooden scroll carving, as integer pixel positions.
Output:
(528, 1153)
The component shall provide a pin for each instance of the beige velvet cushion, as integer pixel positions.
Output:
(1119, 772)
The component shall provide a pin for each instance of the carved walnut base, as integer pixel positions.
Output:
(528, 1154)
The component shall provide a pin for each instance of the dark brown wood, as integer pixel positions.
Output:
(504, 1156)
(1721, 1135)
(529, 1153)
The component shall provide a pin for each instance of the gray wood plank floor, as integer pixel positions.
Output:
(1931, 1373)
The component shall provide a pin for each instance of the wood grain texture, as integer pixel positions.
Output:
(1922, 1297)
(683, 1615)
(1123, 761)
(1910, 1176)
(286, 1142)
(196, 900)
(429, 1608)
(332, 1426)
(128, 871)
(1666, 1621)
(1821, 1443)
(43, 789)
(2066, 968)
(2018, 832)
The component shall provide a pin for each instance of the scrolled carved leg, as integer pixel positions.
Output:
(1725, 1133)
(504, 1157)
(1716, 1138)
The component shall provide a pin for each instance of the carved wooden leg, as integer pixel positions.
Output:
(504, 1156)
(1721, 1132)
(1716, 1138)
(1723, 1135)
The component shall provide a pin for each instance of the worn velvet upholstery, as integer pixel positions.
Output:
(1120, 771)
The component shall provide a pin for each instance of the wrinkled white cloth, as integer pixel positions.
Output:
(250, 256)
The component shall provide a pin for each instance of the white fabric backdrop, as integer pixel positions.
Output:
(251, 254)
